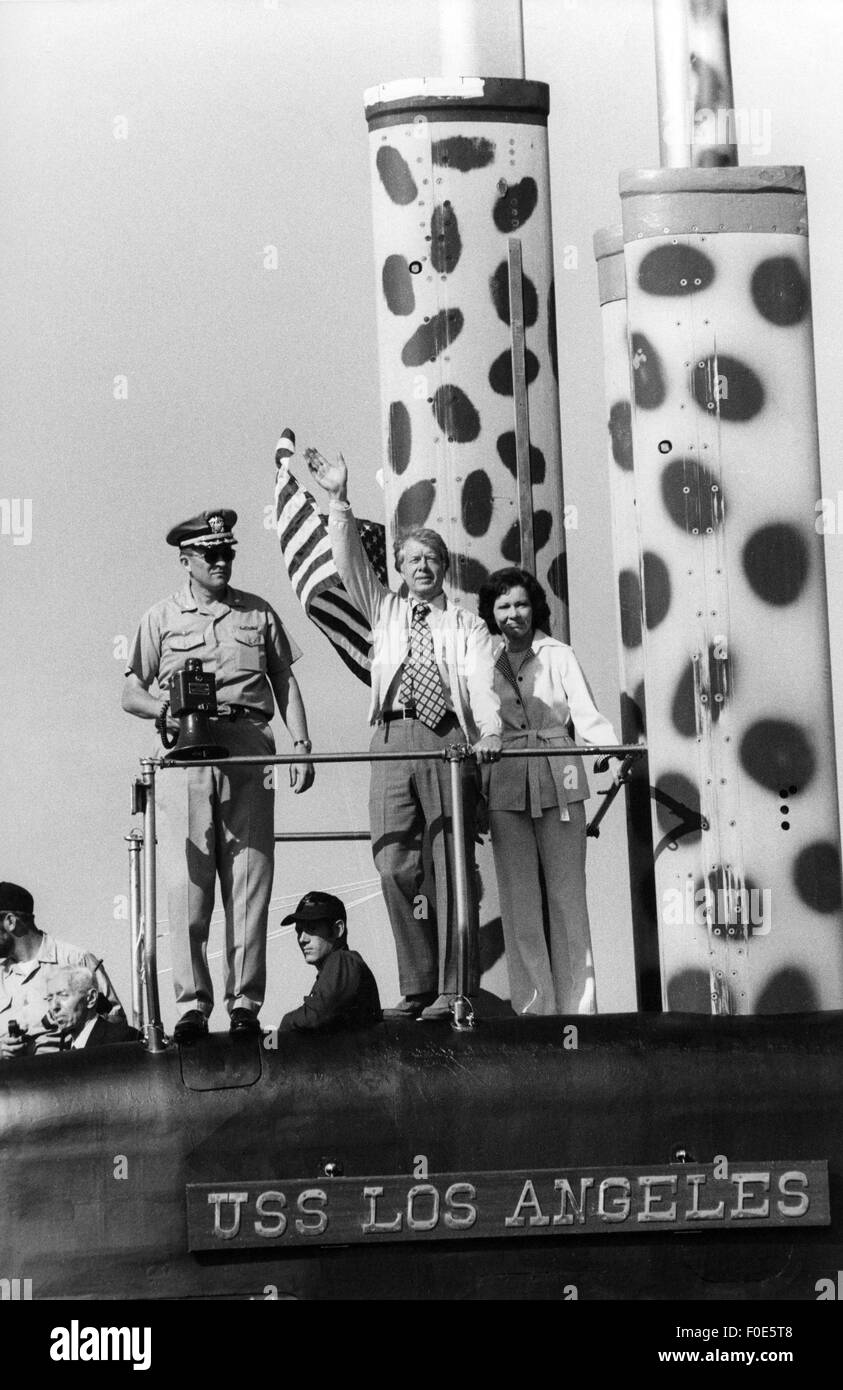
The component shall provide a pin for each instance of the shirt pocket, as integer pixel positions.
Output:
(183, 645)
(250, 648)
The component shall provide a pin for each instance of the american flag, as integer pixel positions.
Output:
(303, 537)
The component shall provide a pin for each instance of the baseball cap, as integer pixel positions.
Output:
(13, 898)
(317, 907)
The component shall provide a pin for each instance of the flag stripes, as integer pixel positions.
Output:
(306, 549)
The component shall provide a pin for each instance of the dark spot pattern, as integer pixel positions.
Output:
(789, 991)
(689, 496)
(500, 372)
(464, 152)
(639, 697)
(469, 572)
(656, 589)
(729, 386)
(816, 874)
(727, 906)
(499, 290)
(776, 563)
(476, 504)
(683, 710)
(620, 433)
(455, 414)
(557, 576)
(647, 375)
(414, 504)
(400, 436)
(780, 291)
(629, 597)
(398, 285)
(776, 752)
(632, 719)
(711, 91)
(395, 175)
(508, 456)
(552, 345)
(675, 270)
(511, 543)
(689, 992)
(445, 243)
(715, 680)
(678, 807)
(432, 338)
(516, 206)
(713, 158)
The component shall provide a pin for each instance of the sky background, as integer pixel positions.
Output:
(150, 151)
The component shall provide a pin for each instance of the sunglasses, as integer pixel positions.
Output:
(211, 554)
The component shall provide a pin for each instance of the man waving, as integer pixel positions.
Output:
(432, 685)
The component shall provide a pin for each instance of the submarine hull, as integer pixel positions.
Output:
(180, 1175)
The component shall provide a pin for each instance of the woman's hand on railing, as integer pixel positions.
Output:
(488, 748)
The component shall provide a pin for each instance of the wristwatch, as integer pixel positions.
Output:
(303, 743)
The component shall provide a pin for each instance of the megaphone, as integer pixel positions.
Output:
(193, 701)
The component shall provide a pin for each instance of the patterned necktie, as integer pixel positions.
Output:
(421, 684)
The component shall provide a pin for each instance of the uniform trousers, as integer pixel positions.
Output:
(219, 821)
(404, 798)
(554, 974)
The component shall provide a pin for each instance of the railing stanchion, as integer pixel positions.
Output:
(154, 1029)
(466, 926)
(463, 1012)
(135, 844)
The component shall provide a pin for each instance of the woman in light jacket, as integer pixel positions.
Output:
(536, 805)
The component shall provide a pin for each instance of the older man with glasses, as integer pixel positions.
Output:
(218, 820)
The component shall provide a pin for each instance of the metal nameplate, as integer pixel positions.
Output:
(529, 1202)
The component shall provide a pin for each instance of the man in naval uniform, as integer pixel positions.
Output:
(218, 820)
(432, 685)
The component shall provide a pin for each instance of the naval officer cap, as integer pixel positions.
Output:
(208, 528)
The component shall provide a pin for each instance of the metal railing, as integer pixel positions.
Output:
(143, 858)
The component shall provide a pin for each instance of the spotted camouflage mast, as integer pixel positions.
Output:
(734, 630)
(628, 564)
(465, 306)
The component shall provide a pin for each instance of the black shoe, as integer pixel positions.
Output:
(411, 1006)
(190, 1027)
(442, 1007)
(244, 1021)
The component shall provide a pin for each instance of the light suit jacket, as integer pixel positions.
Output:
(461, 641)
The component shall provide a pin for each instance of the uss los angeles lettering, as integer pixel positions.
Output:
(452, 1205)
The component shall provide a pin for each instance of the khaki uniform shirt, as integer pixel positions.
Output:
(242, 641)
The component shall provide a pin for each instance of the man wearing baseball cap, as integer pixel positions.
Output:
(218, 820)
(345, 994)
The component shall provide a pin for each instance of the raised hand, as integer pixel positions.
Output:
(332, 477)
